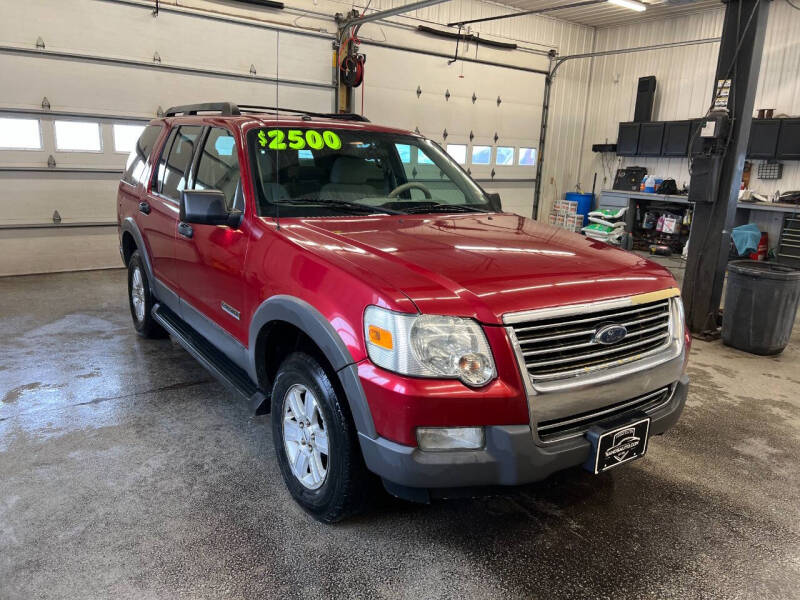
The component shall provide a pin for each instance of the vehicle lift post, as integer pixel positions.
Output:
(716, 176)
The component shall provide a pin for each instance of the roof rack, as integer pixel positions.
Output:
(297, 111)
(230, 109)
(224, 108)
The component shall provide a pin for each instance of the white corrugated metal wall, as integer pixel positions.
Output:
(685, 77)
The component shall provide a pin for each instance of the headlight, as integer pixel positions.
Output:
(679, 320)
(428, 346)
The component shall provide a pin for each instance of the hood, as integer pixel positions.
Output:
(484, 266)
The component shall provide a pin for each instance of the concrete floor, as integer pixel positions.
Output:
(126, 472)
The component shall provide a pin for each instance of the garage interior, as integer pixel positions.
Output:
(126, 469)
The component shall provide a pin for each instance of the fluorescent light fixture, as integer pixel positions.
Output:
(632, 4)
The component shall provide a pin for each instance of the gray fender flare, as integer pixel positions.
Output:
(310, 321)
(129, 225)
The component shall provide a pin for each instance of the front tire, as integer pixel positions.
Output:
(316, 442)
(140, 299)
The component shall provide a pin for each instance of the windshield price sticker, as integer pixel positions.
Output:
(298, 139)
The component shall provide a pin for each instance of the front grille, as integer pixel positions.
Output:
(578, 424)
(563, 346)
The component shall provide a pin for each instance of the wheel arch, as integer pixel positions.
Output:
(273, 316)
(130, 241)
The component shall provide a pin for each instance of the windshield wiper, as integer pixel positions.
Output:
(426, 207)
(343, 204)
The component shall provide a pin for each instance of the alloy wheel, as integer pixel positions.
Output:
(137, 294)
(305, 437)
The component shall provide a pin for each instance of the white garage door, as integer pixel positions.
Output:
(103, 65)
(495, 141)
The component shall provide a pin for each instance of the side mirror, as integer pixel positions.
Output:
(494, 201)
(207, 207)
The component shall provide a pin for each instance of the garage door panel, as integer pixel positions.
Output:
(113, 89)
(297, 97)
(519, 110)
(30, 198)
(305, 58)
(91, 27)
(65, 249)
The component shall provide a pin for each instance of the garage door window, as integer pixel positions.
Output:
(20, 134)
(481, 155)
(458, 152)
(125, 136)
(504, 156)
(404, 151)
(78, 136)
(137, 161)
(173, 167)
(527, 156)
(218, 168)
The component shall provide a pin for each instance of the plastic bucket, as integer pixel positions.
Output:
(761, 302)
(584, 201)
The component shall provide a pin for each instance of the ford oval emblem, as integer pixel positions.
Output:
(610, 334)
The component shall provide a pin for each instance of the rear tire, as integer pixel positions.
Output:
(316, 442)
(140, 299)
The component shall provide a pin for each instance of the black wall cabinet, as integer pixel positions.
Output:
(769, 139)
(789, 140)
(676, 138)
(650, 138)
(628, 139)
(763, 138)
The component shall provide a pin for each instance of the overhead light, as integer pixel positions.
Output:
(632, 4)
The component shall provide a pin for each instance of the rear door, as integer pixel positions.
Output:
(161, 202)
(211, 261)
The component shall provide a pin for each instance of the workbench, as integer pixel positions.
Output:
(768, 216)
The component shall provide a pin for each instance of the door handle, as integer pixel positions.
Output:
(144, 207)
(185, 229)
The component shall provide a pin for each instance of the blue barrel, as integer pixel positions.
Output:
(584, 201)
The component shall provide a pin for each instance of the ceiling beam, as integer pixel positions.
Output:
(391, 12)
(535, 11)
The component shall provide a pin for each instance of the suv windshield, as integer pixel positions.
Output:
(313, 172)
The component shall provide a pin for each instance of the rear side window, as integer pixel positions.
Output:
(218, 168)
(134, 170)
(173, 167)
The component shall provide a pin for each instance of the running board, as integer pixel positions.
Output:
(219, 365)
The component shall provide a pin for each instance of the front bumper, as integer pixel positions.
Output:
(511, 455)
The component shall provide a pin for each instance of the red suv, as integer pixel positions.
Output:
(355, 282)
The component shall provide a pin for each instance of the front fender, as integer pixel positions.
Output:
(129, 225)
(313, 323)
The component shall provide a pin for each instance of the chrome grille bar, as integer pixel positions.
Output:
(565, 345)
(612, 350)
(590, 344)
(599, 316)
(578, 424)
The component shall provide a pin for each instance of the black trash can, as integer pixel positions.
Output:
(761, 303)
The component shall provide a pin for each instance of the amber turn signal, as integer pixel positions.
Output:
(380, 337)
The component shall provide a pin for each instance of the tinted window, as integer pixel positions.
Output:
(172, 172)
(134, 170)
(218, 168)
